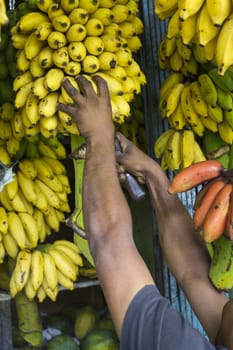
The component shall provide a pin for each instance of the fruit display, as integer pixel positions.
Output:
(196, 94)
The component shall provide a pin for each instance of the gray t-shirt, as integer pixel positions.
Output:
(152, 324)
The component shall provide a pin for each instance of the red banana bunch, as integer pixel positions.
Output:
(213, 208)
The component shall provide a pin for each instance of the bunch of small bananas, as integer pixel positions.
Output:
(177, 149)
(202, 28)
(200, 104)
(63, 39)
(40, 272)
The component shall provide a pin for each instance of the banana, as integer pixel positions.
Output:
(48, 105)
(19, 40)
(41, 202)
(94, 27)
(76, 32)
(229, 222)
(27, 186)
(198, 102)
(22, 79)
(190, 114)
(30, 229)
(89, 5)
(22, 269)
(124, 57)
(225, 132)
(40, 222)
(114, 85)
(2, 252)
(195, 174)
(50, 271)
(21, 95)
(53, 79)
(161, 142)
(41, 294)
(206, 30)
(73, 68)
(51, 196)
(13, 146)
(54, 10)
(188, 29)
(43, 168)
(188, 8)
(105, 15)
(187, 141)
(46, 150)
(112, 29)
(177, 119)
(78, 15)
(60, 57)
(64, 281)
(60, 151)
(3, 220)
(213, 188)
(228, 116)
(224, 99)
(209, 123)
(94, 45)
(32, 108)
(35, 68)
(224, 82)
(61, 23)
(215, 113)
(56, 39)
(208, 89)
(18, 203)
(123, 107)
(120, 13)
(215, 220)
(118, 72)
(49, 125)
(52, 221)
(64, 264)
(51, 294)
(172, 152)
(45, 57)
(28, 168)
(111, 43)
(173, 98)
(209, 49)
(219, 11)
(77, 51)
(220, 271)
(29, 291)
(36, 269)
(16, 229)
(29, 208)
(224, 56)
(22, 63)
(30, 21)
(10, 245)
(43, 30)
(53, 183)
(5, 201)
(33, 46)
(38, 88)
(70, 253)
(57, 166)
(68, 244)
(43, 5)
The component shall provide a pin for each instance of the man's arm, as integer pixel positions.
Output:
(183, 248)
(120, 269)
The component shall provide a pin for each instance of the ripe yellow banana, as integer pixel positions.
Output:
(43, 30)
(10, 245)
(188, 8)
(37, 269)
(60, 57)
(48, 105)
(64, 281)
(3, 221)
(161, 142)
(69, 5)
(30, 21)
(76, 32)
(41, 202)
(21, 95)
(22, 268)
(5, 201)
(53, 79)
(104, 14)
(56, 40)
(40, 221)
(50, 271)
(89, 5)
(16, 229)
(32, 108)
(51, 196)
(78, 15)
(173, 99)
(45, 57)
(22, 79)
(224, 55)
(30, 229)
(54, 10)
(172, 152)
(46, 150)
(22, 63)
(38, 88)
(33, 46)
(61, 23)
(52, 220)
(206, 30)
(77, 51)
(35, 68)
(70, 253)
(94, 45)
(94, 27)
(225, 132)
(187, 141)
(29, 291)
(219, 11)
(64, 264)
(177, 119)
(27, 186)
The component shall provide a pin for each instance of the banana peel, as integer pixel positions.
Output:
(82, 243)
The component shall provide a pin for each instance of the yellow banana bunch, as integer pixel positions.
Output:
(177, 149)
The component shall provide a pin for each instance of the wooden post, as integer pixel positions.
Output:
(5, 322)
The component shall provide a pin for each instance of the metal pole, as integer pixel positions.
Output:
(5, 322)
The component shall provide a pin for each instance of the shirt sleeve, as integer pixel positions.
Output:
(151, 323)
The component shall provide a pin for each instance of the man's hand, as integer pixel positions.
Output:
(91, 111)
